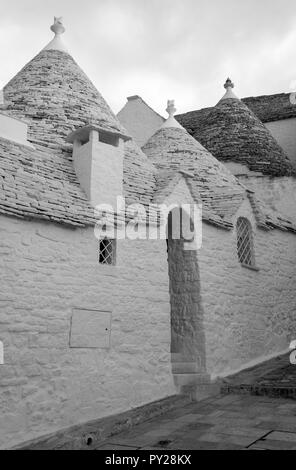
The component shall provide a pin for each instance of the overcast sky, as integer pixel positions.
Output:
(161, 49)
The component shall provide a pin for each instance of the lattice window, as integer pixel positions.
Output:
(245, 247)
(107, 251)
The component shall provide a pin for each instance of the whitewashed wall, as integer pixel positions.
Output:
(46, 271)
(139, 119)
(278, 193)
(248, 315)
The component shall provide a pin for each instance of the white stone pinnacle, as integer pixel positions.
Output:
(58, 29)
(228, 85)
(171, 121)
(171, 108)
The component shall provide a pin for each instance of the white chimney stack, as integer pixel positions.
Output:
(98, 161)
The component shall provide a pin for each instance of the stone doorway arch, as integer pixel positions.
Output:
(188, 351)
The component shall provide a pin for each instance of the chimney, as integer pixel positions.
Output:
(98, 161)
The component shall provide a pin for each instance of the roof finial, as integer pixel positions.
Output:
(171, 108)
(57, 27)
(228, 84)
(171, 121)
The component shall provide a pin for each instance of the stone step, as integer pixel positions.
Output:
(179, 357)
(197, 386)
(202, 391)
(182, 380)
(185, 368)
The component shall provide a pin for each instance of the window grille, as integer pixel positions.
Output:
(245, 247)
(107, 251)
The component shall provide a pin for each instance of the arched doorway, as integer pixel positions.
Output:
(187, 319)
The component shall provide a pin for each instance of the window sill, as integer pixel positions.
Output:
(252, 268)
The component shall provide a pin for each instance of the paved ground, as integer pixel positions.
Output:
(275, 378)
(224, 422)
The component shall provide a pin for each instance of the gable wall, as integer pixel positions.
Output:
(140, 120)
(248, 315)
(284, 131)
(46, 271)
(277, 193)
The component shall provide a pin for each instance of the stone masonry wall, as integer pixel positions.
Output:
(277, 193)
(248, 315)
(187, 318)
(47, 271)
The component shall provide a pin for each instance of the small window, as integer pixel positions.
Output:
(107, 251)
(245, 247)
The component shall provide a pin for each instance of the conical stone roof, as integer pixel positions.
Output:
(172, 148)
(232, 132)
(174, 152)
(55, 97)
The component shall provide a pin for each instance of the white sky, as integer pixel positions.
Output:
(161, 49)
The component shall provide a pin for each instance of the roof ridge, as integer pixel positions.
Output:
(135, 97)
(264, 113)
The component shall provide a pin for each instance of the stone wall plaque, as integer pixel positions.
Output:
(90, 329)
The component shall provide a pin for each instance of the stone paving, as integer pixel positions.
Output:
(229, 422)
(275, 378)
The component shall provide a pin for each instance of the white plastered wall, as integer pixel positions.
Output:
(249, 315)
(47, 272)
